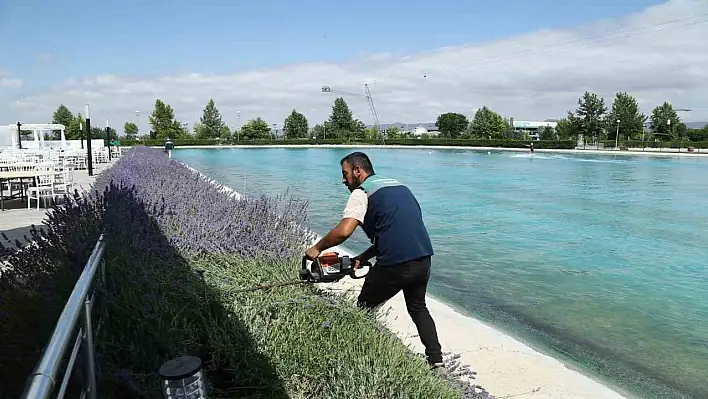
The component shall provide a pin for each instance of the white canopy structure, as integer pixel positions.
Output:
(419, 131)
(37, 130)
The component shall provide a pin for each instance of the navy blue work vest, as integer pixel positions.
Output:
(394, 222)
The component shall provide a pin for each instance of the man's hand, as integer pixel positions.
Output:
(335, 237)
(364, 257)
(312, 253)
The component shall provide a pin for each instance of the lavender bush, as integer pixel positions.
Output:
(200, 217)
(36, 281)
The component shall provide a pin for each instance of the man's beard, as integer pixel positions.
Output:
(356, 182)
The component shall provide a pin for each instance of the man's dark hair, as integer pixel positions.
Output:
(359, 159)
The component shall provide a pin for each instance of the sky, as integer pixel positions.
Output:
(526, 60)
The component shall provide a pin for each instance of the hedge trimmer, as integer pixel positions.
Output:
(327, 268)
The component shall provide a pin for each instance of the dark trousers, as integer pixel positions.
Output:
(384, 282)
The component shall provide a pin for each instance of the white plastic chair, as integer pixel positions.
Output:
(44, 188)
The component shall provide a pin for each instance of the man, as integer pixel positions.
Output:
(391, 217)
(168, 147)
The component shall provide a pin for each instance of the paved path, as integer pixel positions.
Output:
(16, 221)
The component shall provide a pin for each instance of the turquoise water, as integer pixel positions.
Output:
(593, 258)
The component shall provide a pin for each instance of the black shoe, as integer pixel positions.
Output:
(439, 369)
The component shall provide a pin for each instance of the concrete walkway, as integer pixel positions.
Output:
(16, 220)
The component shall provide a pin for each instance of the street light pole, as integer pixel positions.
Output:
(618, 133)
(238, 125)
(668, 124)
(108, 140)
(19, 135)
(88, 141)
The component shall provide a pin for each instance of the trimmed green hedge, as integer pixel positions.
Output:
(560, 144)
(656, 144)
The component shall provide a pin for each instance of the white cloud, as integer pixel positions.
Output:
(533, 76)
(6, 80)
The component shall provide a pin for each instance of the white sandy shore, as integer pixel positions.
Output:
(504, 365)
(634, 151)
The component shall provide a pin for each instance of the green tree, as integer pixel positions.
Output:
(164, 124)
(487, 123)
(666, 124)
(318, 131)
(130, 129)
(394, 132)
(76, 129)
(100, 133)
(370, 133)
(255, 129)
(359, 131)
(64, 117)
(451, 125)
(226, 133)
(698, 134)
(631, 120)
(566, 129)
(341, 123)
(210, 125)
(547, 133)
(589, 118)
(112, 134)
(295, 126)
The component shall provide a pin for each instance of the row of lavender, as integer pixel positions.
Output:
(179, 251)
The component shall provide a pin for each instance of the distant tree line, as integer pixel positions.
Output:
(76, 126)
(592, 120)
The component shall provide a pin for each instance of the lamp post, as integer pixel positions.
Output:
(238, 125)
(668, 130)
(19, 135)
(108, 140)
(618, 133)
(88, 141)
(81, 134)
(137, 120)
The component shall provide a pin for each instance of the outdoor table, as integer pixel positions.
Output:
(20, 174)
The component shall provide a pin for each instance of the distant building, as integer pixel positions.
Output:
(421, 130)
(414, 129)
(533, 128)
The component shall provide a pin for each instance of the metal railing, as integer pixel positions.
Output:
(43, 381)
